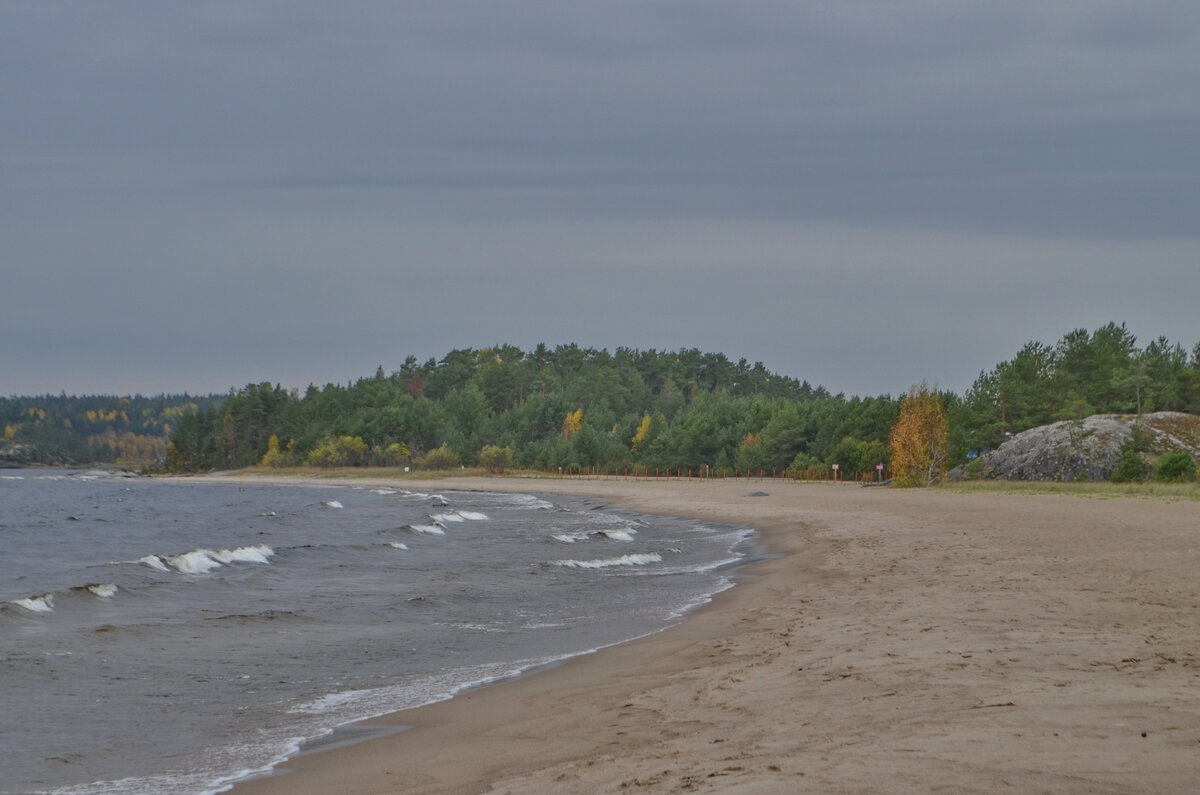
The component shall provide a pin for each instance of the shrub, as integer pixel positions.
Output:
(494, 457)
(340, 452)
(804, 462)
(440, 458)
(274, 457)
(1131, 467)
(394, 455)
(1175, 468)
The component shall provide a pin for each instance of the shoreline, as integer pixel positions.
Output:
(893, 640)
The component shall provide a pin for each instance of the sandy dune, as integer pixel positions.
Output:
(902, 641)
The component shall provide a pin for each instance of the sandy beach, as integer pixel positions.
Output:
(899, 641)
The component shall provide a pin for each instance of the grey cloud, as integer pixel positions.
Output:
(280, 183)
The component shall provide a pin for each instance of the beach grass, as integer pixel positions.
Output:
(1095, 490)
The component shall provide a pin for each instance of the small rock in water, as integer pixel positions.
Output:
(758, 494)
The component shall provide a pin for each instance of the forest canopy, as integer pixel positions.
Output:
(580, 407)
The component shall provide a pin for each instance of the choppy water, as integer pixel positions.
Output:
(164, 636)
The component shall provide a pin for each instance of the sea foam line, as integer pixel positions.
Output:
(625, 560)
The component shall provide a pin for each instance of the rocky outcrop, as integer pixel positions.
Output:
(1083, 449)
(14, 455)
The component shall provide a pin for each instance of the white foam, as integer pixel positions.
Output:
(699, 568)
(617, 535)
(397, 545)
(625, 560)
(383, 491)
(428, 529)
(36, 604)
(12, 477)
(544, 625)
(442, 518)
(569, 538)
(154, 562)
(104, 591)
(353, 705)
(333, 504)
(612, 518)
(328, 702)
(528, 501)
(257, 554)
(474, 516)
(475, 627)
(198, 561)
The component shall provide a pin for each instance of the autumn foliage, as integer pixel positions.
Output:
(572, 423)
(919, 438)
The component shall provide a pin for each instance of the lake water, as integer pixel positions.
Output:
(174, 636)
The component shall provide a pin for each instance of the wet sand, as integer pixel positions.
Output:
(901, 641)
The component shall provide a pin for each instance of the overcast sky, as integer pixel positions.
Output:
(865, 195)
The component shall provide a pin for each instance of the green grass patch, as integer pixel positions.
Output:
(1093, 490)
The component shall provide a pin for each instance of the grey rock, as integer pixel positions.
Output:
(1085, 449)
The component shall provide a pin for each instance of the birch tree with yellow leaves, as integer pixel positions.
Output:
(919, 438)
(572, 423)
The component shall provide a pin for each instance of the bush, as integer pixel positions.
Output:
(274, 457)
(441, 458)
(495, 457)
(340, 452)
(803, 462)
(394, 455)
(1175, 468)
(1131, 467)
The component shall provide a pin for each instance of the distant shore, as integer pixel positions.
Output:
(899, 640)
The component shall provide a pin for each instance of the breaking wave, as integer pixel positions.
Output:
(616, 535)
(625, 560)
(36, 604)
(202, 561)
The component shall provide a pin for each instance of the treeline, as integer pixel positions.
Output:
(567, 406)
(1103, 372)
(131, 431)
(580, 407)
